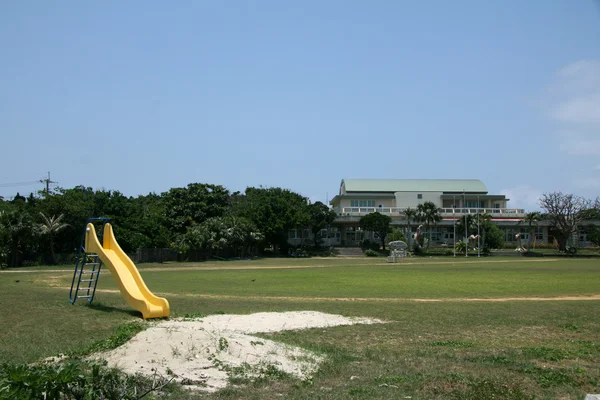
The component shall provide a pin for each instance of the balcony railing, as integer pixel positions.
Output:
(444, 212)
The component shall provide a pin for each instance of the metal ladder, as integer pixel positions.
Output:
(84, 283)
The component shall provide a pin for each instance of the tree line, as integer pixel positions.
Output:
(48, 228)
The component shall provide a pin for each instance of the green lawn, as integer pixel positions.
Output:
(446, 349)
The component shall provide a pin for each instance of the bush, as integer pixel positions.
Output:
(368, 245)
(419, 250)
(371, 253)
(544, 246)
(395, 235)
(72, 380)
(532, 254)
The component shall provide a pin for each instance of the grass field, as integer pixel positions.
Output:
(510, 328)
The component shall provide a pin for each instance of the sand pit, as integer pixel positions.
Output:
(203, 353)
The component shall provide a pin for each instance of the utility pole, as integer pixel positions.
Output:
(466, 224)
(454, 223)
(47, 181)
(478, 245)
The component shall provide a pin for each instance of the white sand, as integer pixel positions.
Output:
(200, 351)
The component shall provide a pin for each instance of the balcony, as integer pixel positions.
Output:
(348, 212)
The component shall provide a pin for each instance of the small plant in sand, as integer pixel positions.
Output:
(223, 344)
(175, 351)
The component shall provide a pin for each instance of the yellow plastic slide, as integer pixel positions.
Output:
(126, 274)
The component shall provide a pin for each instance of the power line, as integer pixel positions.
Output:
(16, 184)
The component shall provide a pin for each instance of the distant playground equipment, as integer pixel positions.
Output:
(397, 251)
(90, 258)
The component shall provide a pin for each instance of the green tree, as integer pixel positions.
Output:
(226, 236)
(411, 215)
(194, 204)
(469, 221)
(274, 211)
(531, 219)
(18, 233)
(493, 238)
(429, 214)
(321, 217)
(593, 234)
(395, 235)
(377, 223)
(51, 226)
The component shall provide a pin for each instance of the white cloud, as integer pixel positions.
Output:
(579, 110)
(575, 105)
(523, 196)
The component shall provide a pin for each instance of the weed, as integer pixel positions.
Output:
(547, 377)
(489, 389)
(499, 360)
(122, 335)
(545, 353)
(223, 344)
(195, 315)
(570, 327)
(397, 379)
(451, 343)
(361, 389)
(73, 379)
(175, 352)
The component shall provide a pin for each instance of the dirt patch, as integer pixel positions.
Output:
(204, 353)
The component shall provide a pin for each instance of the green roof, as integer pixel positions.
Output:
(415, 185)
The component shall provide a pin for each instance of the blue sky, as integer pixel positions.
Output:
(143, 96)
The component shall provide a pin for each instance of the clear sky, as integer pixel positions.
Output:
(141, 96)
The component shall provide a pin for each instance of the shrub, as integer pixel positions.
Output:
(371, 253)
(368, 245)
(532, 254)
(395, 235)
(72, 380)
(419, 250)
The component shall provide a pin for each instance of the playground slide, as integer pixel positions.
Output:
(126, 274)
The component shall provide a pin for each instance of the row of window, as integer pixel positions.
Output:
(362, 203)
(322, 234)
(468, 203)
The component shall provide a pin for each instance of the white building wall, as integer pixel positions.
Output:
(411, 199)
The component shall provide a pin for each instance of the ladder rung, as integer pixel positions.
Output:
(83, 297)
(87, 280)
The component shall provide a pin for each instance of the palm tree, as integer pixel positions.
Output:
(409, 213)
(16, 229)
(428, 212)
(485, 220)
(531, 218)
(51, 226)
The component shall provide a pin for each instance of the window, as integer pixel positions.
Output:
(497, 205)
(419, 196)
(473, 204)
(539, 234)
(362, 203)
